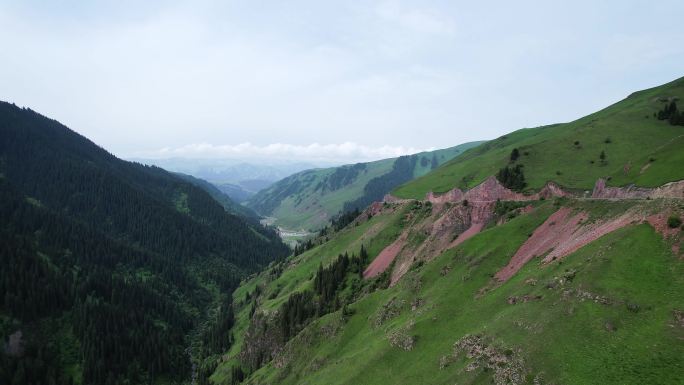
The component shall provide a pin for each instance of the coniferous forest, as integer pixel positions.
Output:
(111, 272)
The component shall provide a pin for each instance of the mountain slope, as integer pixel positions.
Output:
(487, 285)
(110, 269)
(309, 199)
(610, 312)
(221, 197)
(638, 148)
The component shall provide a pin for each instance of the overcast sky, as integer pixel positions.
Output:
(309, 80)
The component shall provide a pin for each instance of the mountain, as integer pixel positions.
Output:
(637, 148)
(244, 189)
(111, 271)
(309, 199)
(235, 178)
(220, 196)
(493, 268)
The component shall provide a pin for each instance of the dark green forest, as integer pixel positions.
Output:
(111, 272)
(375, 190)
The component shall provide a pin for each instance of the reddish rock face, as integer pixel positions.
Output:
(562, 233)
(669, 190)
(491, 190)
(454, 195)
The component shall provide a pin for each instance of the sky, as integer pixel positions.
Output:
(326, 80)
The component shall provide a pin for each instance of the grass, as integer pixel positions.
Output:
(639, 149)
(562, 338)
(305, 207)
(375, 234)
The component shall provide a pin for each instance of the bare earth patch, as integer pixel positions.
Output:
(563, 234)
(386, 256)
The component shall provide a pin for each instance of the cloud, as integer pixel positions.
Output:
(348, 152)
(424, 21)
(383, 73)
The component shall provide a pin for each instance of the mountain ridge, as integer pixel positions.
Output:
(313, 197)
(492, 268)
(107, 258)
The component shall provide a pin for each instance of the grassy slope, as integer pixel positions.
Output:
(374, 234)
(563, 339)
(306, 208)
(635, 137)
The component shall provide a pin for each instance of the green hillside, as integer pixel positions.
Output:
(638, 149)
(111, 272)
(608, 310)
(610, 313)
(219, 196)
(309, 199)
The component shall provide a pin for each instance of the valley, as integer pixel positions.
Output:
(549, 255)
(341, 193)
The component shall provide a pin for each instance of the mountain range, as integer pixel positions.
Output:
(549, 255)
(310, 199)
(111, 271)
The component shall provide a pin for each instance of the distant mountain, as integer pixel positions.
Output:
(240, 179)
(235, 192)
(221, 197)
(309, 199)
(111, 271)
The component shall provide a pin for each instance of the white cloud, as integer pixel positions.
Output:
(348, 152)
(419, 20)
(380, 73)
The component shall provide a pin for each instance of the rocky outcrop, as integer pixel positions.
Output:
(492, 190)
(457, 216)
(565, 232)
(669, 190)
(389, 198)
(262, 342)
(454, 195)
(386, 257)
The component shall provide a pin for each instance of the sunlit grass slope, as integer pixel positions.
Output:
(638, 149)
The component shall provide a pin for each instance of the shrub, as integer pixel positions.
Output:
(515, 154)
(512, 177)
(674, 221)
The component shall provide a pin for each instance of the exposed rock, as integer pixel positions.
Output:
(669, 190)
(679, 317)
(401, 338)
(262, 342)
(514, 299)
(454, 195)
(491, 189)
(386, 256)
(388, 311)
(506, 364)
(564, 233)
